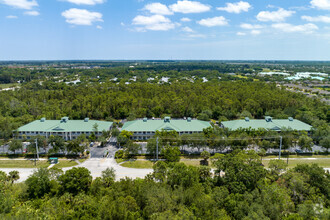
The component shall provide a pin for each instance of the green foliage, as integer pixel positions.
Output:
(172, 191)
(277, 166)
(39, 183)
(171, 154)
(15, 145)
(13, 176)
(76, 180)
(242, 170)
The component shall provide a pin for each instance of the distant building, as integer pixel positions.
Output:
(268, 123)
(67, 129)
(145, 129)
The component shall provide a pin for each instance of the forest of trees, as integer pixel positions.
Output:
(108, 101)
(241, 188)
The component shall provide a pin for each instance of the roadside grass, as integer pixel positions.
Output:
(120, 160)
(139, 164)
(23, 164)
(82, 160)
(292, 163)
(65, 163)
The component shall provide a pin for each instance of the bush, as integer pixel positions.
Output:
(119, 154)
(172, 154)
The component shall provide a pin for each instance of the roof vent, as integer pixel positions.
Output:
(42, 119)
(189, 119)
(290, 119)
(167, 119)
(269, 119)
(247, 119)
(145, 119)
(86, 119)
(65, 119)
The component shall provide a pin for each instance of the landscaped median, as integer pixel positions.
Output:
(141, 162)
(42, 163)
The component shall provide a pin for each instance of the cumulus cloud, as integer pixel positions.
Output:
(99, 27)
(187, 29)
(275, 16)
(158, 8)
(81, 16)
(185, 19)
(85, 2)
(325, 19)
(22, 4)
(236, 8)
(187, 7)
(255, 32)
(11, 17)
(212, 22)
(289, 28)
(32, 13)
(240, 33)
(321, 4)
(154, 23)
(250, 26)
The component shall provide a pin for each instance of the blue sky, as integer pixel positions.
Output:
(165, 29)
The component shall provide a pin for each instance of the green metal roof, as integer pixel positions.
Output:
(65, 125)
(158, 125)
(274, 124)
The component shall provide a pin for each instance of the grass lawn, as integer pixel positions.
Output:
(82, 160)
(292, 163)
(23, 164)
(120, 160)
(139, 164)
(65, 163)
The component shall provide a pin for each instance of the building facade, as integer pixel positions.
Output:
(146, 129)
(65, 128)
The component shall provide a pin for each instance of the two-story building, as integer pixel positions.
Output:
(146, 128)
(268, 123)
(65, 128)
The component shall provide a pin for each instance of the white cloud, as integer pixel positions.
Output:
(185, 19)
(81, 16)
(276, 16)
(236, 8)
(32, 13)
(86, 2)
(325, 19)
(240, 34)
(255, 32)
(187, 29)
(196, 35)
(321, 4)
(158, 8)
(186, 7)
(289, 28)
(250, 26)
(155, 23)
(212, 22)
(99, 27)
(22, 4)
(11, 17)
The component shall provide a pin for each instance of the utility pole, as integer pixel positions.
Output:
(37, 148)
(280, 147)
(157, 149)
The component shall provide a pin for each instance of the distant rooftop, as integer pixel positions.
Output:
(65, 125)
(167, 124)
(268, 123)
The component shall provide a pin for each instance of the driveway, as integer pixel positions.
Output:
(95, 166)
